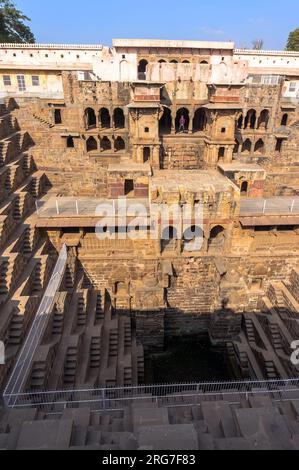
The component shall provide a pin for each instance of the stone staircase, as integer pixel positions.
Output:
(24, 269)
(94, 346)
(268, 334)
(43, 121)
(254, 422)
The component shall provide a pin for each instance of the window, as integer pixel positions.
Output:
(70, 142)
(270, 79)
(221, 152)
(35, 80)
(21, 83)
(293, 86)
(129, 187)
(57, 116)
(223, 130)
(123, 56)
(146, 129)
(279, 143)
(7, 80)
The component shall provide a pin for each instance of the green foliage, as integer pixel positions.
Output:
(12, 26)
(293, 41)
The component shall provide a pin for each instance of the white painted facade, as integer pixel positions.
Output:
(120, 63)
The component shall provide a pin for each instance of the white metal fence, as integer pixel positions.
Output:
(20, 372)
(271, 206)
(167, 395)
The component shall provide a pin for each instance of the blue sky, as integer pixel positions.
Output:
(98, 21)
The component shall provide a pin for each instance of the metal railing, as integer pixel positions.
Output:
(88, 207)
(20, 372)
(167, 395)
(271, 206)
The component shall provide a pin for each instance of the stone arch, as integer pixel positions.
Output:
(182, 112)
(105, 144)
(250, 119)
(169, 238)
(192, 238)
(105, 118)
(119, 118)
(91, 144)
(90, 118)
(124, 70)
(217, 237)
(142, 69)
(121, 288)
(247, 146)
(199, 120)
(263, 119)
(259, 146)
(169, 233)
(119, 144)
(165, 123)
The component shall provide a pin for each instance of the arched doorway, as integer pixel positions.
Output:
(119, 118)
(284, 119)
(182, 120)
(165, 123)
(250, 120)
(90, 118)
(169, 238)
(146, 154)
(142, 69)
(105, 118)
(217, 237)
(193, 238)
(199, 120)
(263, 119)
(246, 147)
(119, 144)
(105, 144)
(91, 144)
(259, 146)
(244, 189)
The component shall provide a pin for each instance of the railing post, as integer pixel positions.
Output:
(57, 207)
(293, 204)
(265, 205)
(37, 209)
(104, 399)
(77, 207)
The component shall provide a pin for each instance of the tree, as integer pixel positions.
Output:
(293, 41)
(12, 26)
(257, 44)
